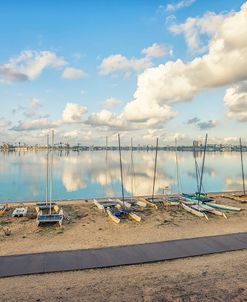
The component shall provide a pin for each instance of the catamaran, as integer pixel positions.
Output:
(121, 211)
(50, 214)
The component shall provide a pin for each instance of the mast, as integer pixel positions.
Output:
(177, 168)
(106, 163)
(121, 168)
(132, 168)
(203, 162)
(47, 170)
(51, 169)
(196, 168)
(155, 167)
(242, 164)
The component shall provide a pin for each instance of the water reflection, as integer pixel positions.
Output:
(89, 174)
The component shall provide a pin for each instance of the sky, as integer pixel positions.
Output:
(143, 68)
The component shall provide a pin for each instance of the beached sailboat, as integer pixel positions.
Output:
(104, 204)
(121, 211)
(3, 209)
(45, 205)
(131, 201)
(153, 201)
(51, 214)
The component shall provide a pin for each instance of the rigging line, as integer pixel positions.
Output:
(242, 164)
(155, 167)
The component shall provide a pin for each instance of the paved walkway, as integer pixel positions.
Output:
(48, 262)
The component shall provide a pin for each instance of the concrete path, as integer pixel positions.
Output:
(48, 262)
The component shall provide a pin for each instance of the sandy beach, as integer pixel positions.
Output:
(86, 227)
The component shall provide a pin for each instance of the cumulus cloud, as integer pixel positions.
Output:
(28, 65)
(117, 62)
(195, 28)
(37, 124)
(111, 102)
(235, 100)
(171, 7)
(224, 64)
(73, 113)
(157, 50)
(71, 73)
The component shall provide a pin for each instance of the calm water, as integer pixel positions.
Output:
(88, 174)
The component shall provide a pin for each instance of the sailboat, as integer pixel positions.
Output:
(45, 205)
(241, 197)
(153, 201)
(131, 201)
(102, 205)
(121, 211)
(50, 213)
(3, 209)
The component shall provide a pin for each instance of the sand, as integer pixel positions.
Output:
(220, 277)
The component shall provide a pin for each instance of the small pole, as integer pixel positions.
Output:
(121, 169)
(155, 166)
(242, 164)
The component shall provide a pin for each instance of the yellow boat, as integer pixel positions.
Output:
(148, 203)
(113, 217)
(3, 210)
(134, 217)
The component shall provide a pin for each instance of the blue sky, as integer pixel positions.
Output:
(93, 68)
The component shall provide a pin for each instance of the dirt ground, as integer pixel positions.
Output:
(219, 277)
(87, 227)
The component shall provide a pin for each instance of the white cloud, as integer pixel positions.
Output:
(29, 65)
(117, 62)
(73, 113)
(71, 73)
(194, 28)
(179, 5)
(157, 50)
(235, 100)
(224, 64)
(111, 102)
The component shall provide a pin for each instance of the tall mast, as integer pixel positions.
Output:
(132, 168)
(196, 169)
(203, 162)
(155, 166)
(47, 170)
(51, 169)
(106, 162)
(121, 168)
(177, 168)
(242, 164)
